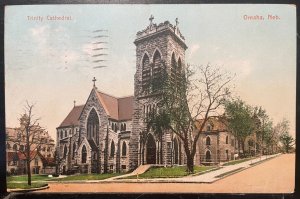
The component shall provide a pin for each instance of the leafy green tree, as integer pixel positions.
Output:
(288, 142)
(282, 129)
(240, 121)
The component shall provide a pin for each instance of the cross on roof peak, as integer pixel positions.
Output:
(176, 21)
(151, 19)
(94, 80)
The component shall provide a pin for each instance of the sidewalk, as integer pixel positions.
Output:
(208, 177)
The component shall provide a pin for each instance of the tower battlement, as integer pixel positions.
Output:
(154, 29)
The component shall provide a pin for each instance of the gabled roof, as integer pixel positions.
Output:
(117, 108)
(73, 117)
(217, 123)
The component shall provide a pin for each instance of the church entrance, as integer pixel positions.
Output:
(151, 151)
(208, 156)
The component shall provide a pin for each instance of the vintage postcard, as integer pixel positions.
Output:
(150, 98)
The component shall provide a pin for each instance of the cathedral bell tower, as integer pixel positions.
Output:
(158, 47)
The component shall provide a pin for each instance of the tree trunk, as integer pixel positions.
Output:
(28, 172)
(161, 149)
(189, 157)
(243, 146)
(239, 147)
(190, 164)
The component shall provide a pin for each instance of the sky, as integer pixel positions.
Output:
(50, 62)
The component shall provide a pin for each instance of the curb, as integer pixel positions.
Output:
(243, 168)
(28, 190)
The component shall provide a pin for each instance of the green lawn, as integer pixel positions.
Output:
(11, 185)
(87, 177)
(237, 161)
(23, 178)
(169, 172)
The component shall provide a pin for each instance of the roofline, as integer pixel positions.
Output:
(126, 96)
(68, 115)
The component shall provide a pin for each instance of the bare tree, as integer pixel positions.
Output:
(28, 135)
(188, 99)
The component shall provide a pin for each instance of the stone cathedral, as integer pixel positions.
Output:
(107, 133)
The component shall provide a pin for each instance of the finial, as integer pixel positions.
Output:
(74, 103)
(94, 80)
(151, 19)
(176, 21)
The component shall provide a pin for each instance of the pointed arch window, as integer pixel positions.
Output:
(93, 126)
(146, 73)
(65, 151)
(74, 150)
(179, 66)
(83, 154)
(112, 149)
(124, 149)
(156, 72)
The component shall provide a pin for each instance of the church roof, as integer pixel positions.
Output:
(73, 117)
(117, 108)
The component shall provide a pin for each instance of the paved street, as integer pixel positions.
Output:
(273, 176)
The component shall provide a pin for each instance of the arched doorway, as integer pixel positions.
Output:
(208, 156)
(176, 156)
(150, 150)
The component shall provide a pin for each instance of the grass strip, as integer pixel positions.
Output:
(168, 172)
(87, 177)
(24, 178)
(229, 172)
(261, 161)
(237, 161)
(11, 185)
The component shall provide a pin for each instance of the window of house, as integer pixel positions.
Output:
(123, 167)
(61, 134)
(208, 128)
(15, 147)
(36, 161)
(226, 139)
(21, 147)
(207, 140)
(66, 133)
(8, 146)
